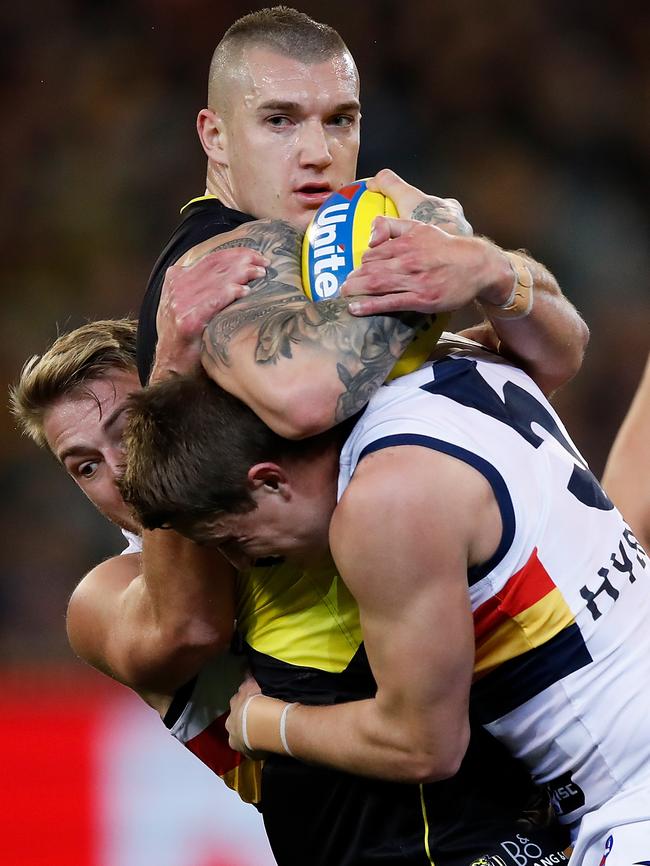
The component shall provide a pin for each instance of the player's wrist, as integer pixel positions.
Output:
(498, 276)
(264, 725)
(176, 360)
(509, 294)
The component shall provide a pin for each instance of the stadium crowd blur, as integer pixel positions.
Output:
(533, 113)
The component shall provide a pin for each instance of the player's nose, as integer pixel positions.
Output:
(314, 146)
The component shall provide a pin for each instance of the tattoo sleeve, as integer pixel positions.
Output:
(276, 322)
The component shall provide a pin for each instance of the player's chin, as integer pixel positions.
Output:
(123, 518)
(301, 217)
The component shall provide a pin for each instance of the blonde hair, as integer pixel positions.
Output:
(88, 352)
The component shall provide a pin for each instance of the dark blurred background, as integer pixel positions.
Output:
(535, 115)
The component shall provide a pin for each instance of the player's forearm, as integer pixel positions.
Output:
(179, 612)
(627, 474)
(190, 589)
(362, 738)
(549, 342)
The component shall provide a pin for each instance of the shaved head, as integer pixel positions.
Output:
(281, 130)
(281, 30)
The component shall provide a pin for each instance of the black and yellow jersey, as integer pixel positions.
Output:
(302, 634)
(201, 218)
(303, 640)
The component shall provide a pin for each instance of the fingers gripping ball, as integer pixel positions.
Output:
(338, 236)
(333, 245)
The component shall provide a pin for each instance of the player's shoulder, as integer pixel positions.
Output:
(405, 475)
(111, 575)
(201, 218)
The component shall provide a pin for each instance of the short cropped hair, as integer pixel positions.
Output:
(189, 447)
(283, 30)
(89, 352)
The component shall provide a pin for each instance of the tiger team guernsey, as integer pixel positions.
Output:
(201, 218)
(302, 641)
(561, 610)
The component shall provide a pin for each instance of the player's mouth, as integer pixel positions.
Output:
(313, 194)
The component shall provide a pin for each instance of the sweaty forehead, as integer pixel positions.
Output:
(262, 74)
(72, 417)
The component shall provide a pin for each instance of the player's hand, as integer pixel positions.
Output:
(412, 203)
(418, 267)
(248, 688)
(192, 295)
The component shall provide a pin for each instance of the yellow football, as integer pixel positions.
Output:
(333, 246)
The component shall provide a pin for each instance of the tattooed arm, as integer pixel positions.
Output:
(302, 367)
(438, 267)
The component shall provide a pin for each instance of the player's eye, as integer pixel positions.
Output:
(278, 121)
(87, 470)
(342, 120)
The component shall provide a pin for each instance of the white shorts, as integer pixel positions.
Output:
(617, 834)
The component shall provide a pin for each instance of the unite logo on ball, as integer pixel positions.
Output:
(338, 236)
(334, 244)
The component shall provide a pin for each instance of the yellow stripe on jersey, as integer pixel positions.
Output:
(426, 826)
(246, 780)
(524, 631)
(198, 198)
(302, 617)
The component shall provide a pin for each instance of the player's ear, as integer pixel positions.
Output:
(269, 478)
(212, 135)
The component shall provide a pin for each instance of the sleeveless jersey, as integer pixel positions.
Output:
(133, 542)
(202, 218)
(197, 719)
(561, 610)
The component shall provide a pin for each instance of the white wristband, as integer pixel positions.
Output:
(244, 721)
(283, 729)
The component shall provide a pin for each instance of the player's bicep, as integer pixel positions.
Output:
(405, 558)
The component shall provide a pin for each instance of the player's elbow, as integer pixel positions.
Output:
(439, 760)
(564, 364)
(423, 768)
(300, 415)
(575, 351)
(185, 644)
(162, 663)
(196, 638)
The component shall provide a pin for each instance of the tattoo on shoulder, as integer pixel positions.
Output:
(362, 350)
(269, 237)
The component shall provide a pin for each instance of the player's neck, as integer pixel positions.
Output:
(218, 184)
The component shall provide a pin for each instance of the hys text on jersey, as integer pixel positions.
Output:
(623, 569)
